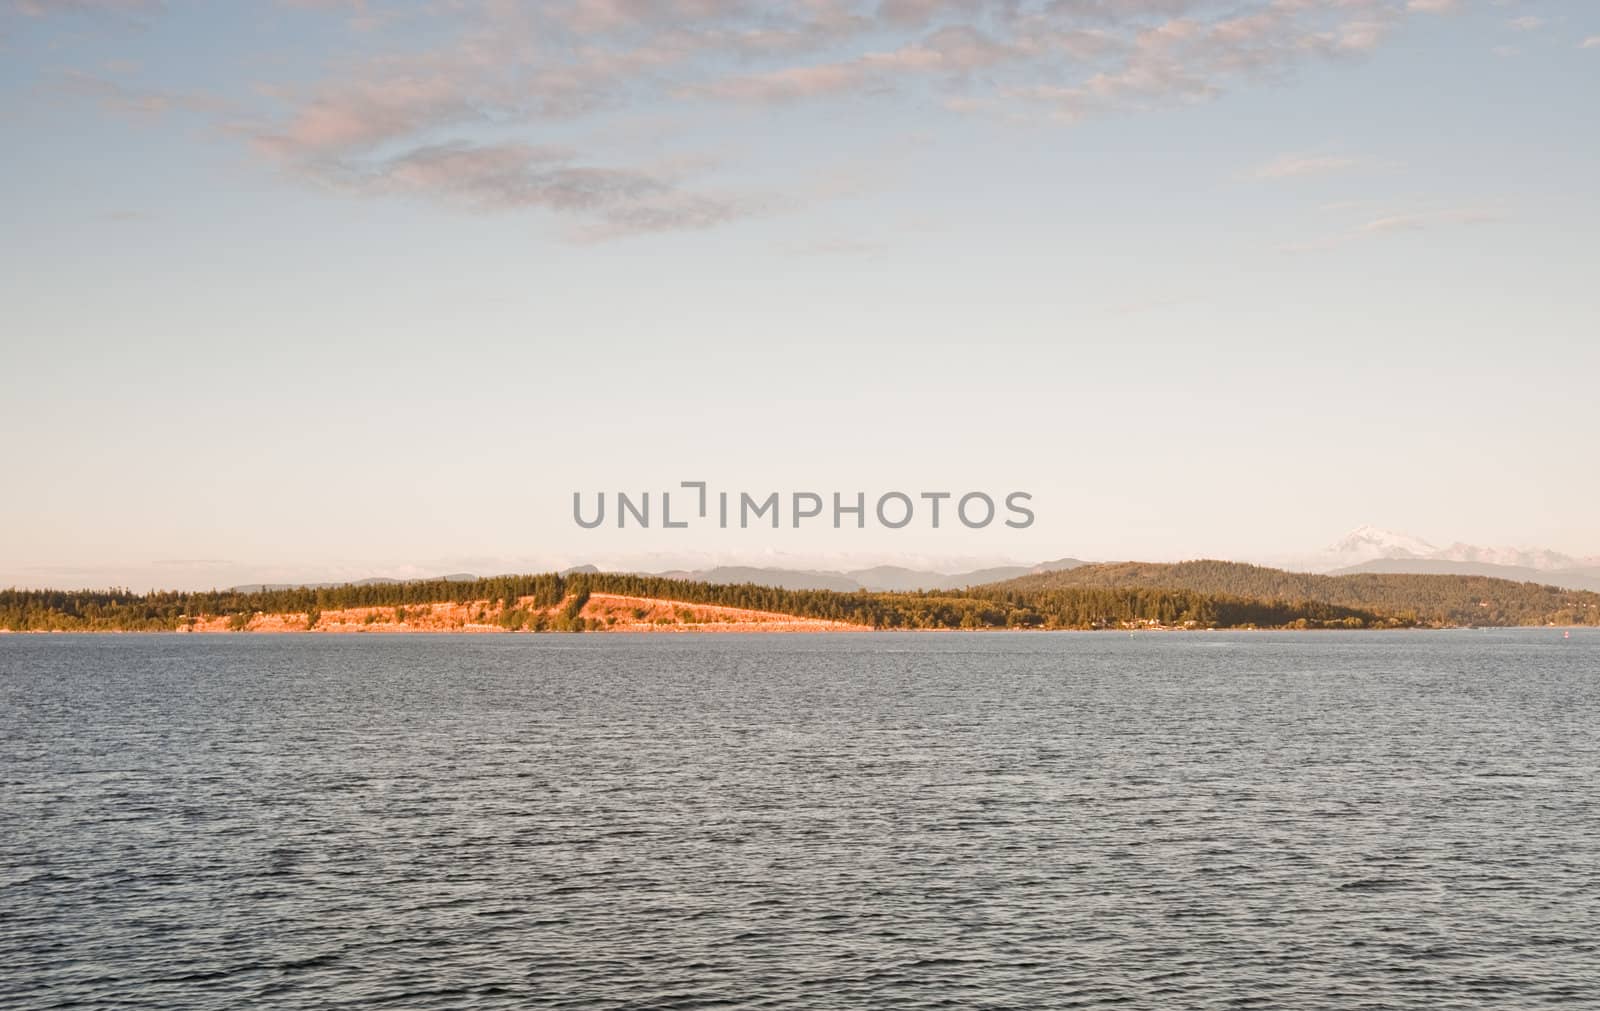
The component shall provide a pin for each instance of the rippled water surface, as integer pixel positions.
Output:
(1365, 820)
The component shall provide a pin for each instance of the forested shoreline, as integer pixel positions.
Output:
(1434, 599)
(1195, 595)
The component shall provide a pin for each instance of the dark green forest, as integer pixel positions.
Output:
(1190, 594)
(995, 607)
(1425, 599)
(120, 610)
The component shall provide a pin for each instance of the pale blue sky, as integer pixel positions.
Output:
(319, 289)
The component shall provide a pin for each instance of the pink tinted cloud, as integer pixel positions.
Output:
(504, 68)
(49, 8)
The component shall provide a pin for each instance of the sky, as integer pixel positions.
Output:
(318, 290)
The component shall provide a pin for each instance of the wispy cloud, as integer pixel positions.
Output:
(115, 96)
(1290, 166)
(1197, 54)
(1402, 222)
(1592, 42)
(1419, 220)
(460, 107)
(611, 201)
(47, 8)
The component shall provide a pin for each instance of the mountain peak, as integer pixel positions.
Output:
(1372, 542)
(1368, 543)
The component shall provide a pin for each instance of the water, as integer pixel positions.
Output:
(1366, 820)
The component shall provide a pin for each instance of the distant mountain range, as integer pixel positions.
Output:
(1373, 549)
(1366, 549)
(454, 577)
(881, 578)
(1369, 543)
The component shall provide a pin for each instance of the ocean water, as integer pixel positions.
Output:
(1320, 820)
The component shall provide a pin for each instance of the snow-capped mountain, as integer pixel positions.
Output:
(1366, 543)
(1528, 558)
(1368, 546)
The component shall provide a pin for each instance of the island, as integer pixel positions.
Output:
(1197, 595)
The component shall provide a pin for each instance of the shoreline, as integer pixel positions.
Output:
(775, 628)
(650, 605)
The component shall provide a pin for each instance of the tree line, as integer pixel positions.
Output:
(166, 610)
(1436, 599)
(553, 602)
(1188, 594)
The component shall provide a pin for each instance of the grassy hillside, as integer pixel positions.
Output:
(1429, 599)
